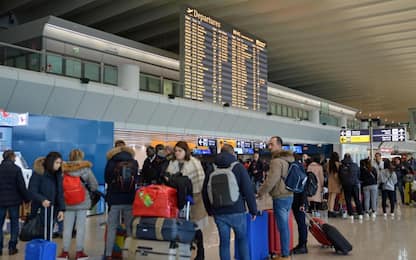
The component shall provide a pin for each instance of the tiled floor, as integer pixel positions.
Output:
(372, 239)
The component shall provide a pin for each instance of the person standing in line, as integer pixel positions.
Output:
(275, 186)
(388, 180)
(77, 167)
(12, 193)
(315, 201)
(368, 179)
(334, 184)
(255, 170)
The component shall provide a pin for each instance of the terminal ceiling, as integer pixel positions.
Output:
(360, 53)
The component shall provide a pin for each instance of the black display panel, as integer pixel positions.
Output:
(221, 64)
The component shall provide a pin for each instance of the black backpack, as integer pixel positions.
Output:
(183, 186)
(346, 174)
(125, 173)
(311, 184)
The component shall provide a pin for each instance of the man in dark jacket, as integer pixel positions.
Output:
(232, 216)
(152, 166)
(12, 193)
(349, 175)
(121, 167)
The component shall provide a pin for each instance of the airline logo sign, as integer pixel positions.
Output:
(354, 136)
(13, 119)
(389, 135)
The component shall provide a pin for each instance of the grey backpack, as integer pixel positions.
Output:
(223, 190)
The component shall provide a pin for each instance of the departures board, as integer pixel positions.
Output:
(221, 64)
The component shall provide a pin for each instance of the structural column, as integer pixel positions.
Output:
(129, 77)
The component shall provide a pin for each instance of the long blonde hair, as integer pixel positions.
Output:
(76, 155)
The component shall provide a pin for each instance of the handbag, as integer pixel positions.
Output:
(95, 195)
(32, 228)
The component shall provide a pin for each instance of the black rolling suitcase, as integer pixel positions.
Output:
(340, 243)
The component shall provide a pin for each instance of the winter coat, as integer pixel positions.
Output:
(81, 169)
(256, 165)
(368, 177)
(355, 171)
(388, 179)
(317, 169)
(274, 184)
(44, 185)
(334, 184)
(193, 169)
(152, 169)
(12, 185)
(114, 156)
(224, 160)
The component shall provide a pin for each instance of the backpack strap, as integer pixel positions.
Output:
(231, 167)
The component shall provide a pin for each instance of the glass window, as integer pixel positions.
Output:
(110, 75)
(167, 87)
(143, 82)
(92, 71)
(34, 61)
(296, 113)
(54, 63)
(284, 110)
(305, 115)
(73, 67)
(273, 108)
(177, 88)
(289, 112)
(20, 62)
(279, 110)
(154, 84)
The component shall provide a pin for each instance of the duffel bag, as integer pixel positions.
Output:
(155, 201)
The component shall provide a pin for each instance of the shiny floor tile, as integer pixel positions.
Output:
(382, 238)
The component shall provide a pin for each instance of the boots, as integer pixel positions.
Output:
(300, 249)
(199, 241)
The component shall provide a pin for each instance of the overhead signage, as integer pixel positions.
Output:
(389, 135)
(379, 135)
(259, 145)
(354, 136)
(206, 142)
(13, 119)
(244, 144)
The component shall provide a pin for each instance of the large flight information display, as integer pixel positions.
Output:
(220, 64)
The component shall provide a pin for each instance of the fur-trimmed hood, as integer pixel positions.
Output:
(284, 155)
(38, 165)
(117, 150)
(75, 166)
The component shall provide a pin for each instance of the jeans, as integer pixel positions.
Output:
(281, 208)
(14, 225)
(353, 192)
(384, 195)
(81, 218)
(113, 221)
(370, 194)
(238, 222)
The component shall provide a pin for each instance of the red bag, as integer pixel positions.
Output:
(274, 235)
(315, 228)
(156, 201)
(74, 191)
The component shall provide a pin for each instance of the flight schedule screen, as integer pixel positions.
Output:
(220, 64)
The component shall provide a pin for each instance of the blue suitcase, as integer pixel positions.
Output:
(258, 240)
(42, 249)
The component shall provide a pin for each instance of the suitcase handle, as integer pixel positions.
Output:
(45, 234)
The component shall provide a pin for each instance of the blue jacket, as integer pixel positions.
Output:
(46, 186)
(114, 156)
(224, 160)
(12, 185)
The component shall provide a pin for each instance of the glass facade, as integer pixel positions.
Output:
(288, 111)
(110, 74)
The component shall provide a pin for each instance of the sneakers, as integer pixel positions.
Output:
(366, 215)
(80, 255)
(392, 215)
(351, 217)
(63, 256)
(360, 217)
(385, 215)
(373, 215)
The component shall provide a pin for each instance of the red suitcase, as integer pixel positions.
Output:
(274, 235)
(156, 201)
(315, 227)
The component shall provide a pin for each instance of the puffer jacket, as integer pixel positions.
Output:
(81, 169)
(44, 185)
(274, 184)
